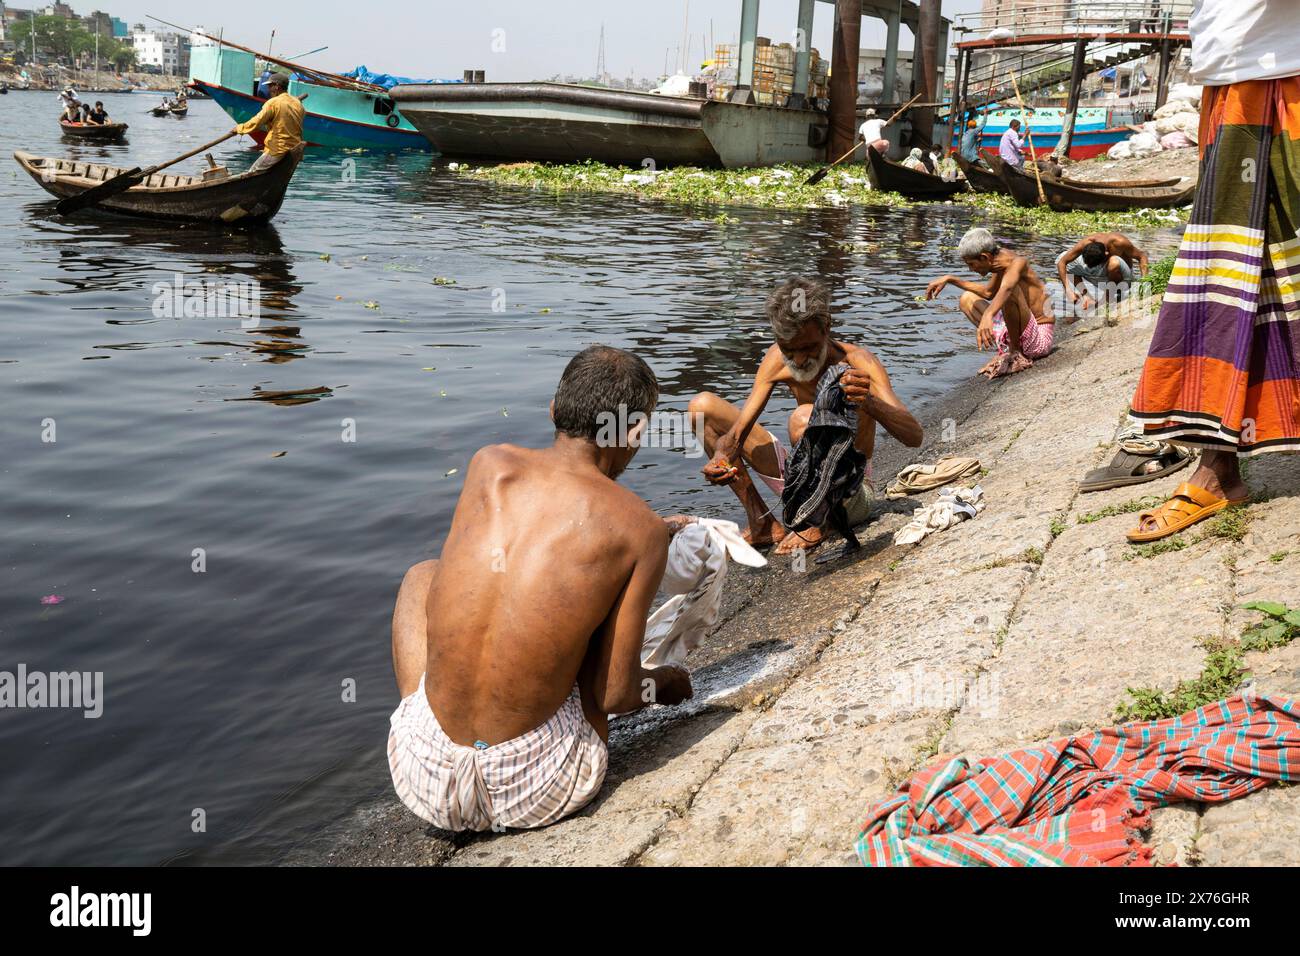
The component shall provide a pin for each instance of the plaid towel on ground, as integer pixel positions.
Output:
(1081, 801)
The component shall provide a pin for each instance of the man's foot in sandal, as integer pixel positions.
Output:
(807, 539)
(1188, 505)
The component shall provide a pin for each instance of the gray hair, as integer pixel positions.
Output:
(793, 304)
(976, 243)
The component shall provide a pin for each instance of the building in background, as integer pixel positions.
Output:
(159, 52)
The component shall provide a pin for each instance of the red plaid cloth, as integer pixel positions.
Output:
(1081, 801)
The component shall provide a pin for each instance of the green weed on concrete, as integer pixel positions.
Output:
(1219, 678)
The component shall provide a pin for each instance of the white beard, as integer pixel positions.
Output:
(811, 369)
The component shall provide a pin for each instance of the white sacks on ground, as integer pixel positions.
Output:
(1175, 106)
(693, 579)
(1186, 91)
(1121, 150)
(1143, 144)
(1176, 140)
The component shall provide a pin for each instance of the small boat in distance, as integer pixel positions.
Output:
(102, 132)
(1064, 196)
(892, 177)
(245, 199)
(179, 110)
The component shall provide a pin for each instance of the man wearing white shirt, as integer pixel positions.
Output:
(872, 132)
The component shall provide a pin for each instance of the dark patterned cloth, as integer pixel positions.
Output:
(825, 470)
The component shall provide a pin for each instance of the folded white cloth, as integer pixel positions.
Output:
(953, 506)
(696, 571)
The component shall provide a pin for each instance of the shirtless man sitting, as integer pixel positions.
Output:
(514, 646)
(799, 312)
(1101, 264)
(1011, 312)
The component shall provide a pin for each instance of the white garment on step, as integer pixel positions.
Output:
(693, 579)
(952, 507)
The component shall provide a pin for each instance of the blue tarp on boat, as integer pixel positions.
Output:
(386, 80)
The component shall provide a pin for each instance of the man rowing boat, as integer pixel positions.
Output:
(282, 117)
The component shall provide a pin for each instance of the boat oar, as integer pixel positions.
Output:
(818, 176)
(132, 177)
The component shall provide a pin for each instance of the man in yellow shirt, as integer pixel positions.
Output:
(281, 116)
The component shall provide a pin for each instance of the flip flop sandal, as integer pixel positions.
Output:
(1125, 468)
(1188, 505)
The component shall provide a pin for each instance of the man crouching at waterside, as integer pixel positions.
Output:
(512, 649)
(799, 312)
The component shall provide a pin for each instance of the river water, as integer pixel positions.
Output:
(229, 562)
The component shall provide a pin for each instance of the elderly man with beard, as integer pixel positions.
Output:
(799, 312)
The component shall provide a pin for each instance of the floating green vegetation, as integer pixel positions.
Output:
(1281, 625)
(783, 187)
(1219, 678)
(1157, 278)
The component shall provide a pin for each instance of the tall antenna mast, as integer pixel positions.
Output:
(600, 55)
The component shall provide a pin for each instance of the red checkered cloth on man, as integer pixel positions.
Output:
(1081, 801)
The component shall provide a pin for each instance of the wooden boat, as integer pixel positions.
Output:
(981, 180)
(95, 131)
(179, 111)
(891, 177)
(1063, 197)
(1123, 183)
(245, 199)
(160, 110)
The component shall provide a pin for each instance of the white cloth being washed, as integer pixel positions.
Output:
(953, 506)
(693, 579)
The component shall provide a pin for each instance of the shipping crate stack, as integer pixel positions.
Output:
(773, 72)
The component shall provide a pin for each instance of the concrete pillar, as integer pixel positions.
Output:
(1072, 104)
(844, 77)
(803, 53)
(1162, 79)
(745, 67)
(891, 56)
(925, 71)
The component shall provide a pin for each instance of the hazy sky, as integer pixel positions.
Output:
(540, 38)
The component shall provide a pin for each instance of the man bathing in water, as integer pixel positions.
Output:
(514, 646)
(800, 315)
(1102, 266)
(1011, 312)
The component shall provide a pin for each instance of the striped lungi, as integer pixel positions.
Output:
(1223, 371)
(531, 780)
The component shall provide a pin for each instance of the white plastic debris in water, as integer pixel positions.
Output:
(453, 166)
(835, 198)
(641, 179)
(752, 180)
(782, 174)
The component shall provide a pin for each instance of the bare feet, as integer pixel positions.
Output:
(807, 539)
(1010, 364)
(992, 366)
(769, 532)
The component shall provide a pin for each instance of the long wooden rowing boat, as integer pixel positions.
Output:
(891, 177)
(981, 180)
(180, 111)
(1123, 183)
(99, 131)
(1063, 197)
(245, 199)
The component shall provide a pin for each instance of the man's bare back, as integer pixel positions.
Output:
(544, 551)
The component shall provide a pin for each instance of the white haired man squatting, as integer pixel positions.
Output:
(512, 649)
(1011, 312)
(799, 312)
